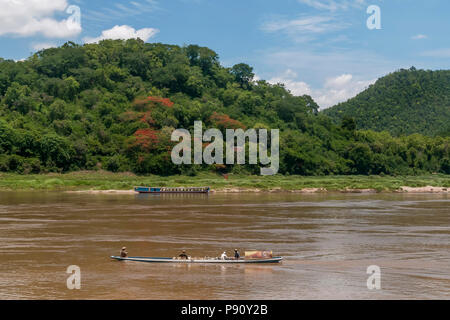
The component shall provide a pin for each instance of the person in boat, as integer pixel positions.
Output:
(223, 256)
(236, 254)
(124, 252)
(183, 255)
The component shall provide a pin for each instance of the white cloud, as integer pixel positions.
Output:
(305, 28)
(43, 45)
(419, 37)
(122, 11)
(297, 88)
(339, 82)
(333, 5)
(31, 17)
(124, 32)
(315, 24)
(339, 89)
(316, 65)
(334, 90)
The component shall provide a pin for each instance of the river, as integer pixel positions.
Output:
(327, 240)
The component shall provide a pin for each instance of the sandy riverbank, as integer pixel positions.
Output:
(103, 191)
(427, 189)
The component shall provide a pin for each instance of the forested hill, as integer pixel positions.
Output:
(114, 105)
(404, 102)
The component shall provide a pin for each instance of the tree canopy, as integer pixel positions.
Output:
(403, 102)
(113, 106)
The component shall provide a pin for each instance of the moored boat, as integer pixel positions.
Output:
(197, 260)
(160, 190)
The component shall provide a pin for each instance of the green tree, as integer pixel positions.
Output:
(243, 74)
(57, 150)
(17, 97)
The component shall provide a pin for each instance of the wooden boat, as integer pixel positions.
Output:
(160, 190)
(197, 260)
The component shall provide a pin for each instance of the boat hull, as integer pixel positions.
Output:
(163, 190)
(171, 260)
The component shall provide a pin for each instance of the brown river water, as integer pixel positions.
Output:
(328, 242)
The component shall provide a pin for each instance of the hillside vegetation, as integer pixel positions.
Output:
(114, 105)
(404, 102)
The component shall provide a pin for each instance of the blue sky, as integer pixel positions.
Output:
(318, 47)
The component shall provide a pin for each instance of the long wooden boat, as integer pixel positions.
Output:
(197, 260)
(160, 190)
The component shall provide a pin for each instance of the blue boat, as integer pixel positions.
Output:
(198, 260)
(160, 190)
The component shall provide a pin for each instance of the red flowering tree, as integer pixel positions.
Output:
(164, 101)
(146, 139)
(223, 121)
(144, 104)
(147, 118)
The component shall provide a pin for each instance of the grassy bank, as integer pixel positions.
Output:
(122, 181)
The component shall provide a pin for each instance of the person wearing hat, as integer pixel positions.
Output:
(123, 252)
(223, 256)
(183, 255)
(236, 254)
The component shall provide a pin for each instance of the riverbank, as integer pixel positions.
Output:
(107, 182)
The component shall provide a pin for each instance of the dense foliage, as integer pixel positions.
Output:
(114, 105)
(404, 102)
